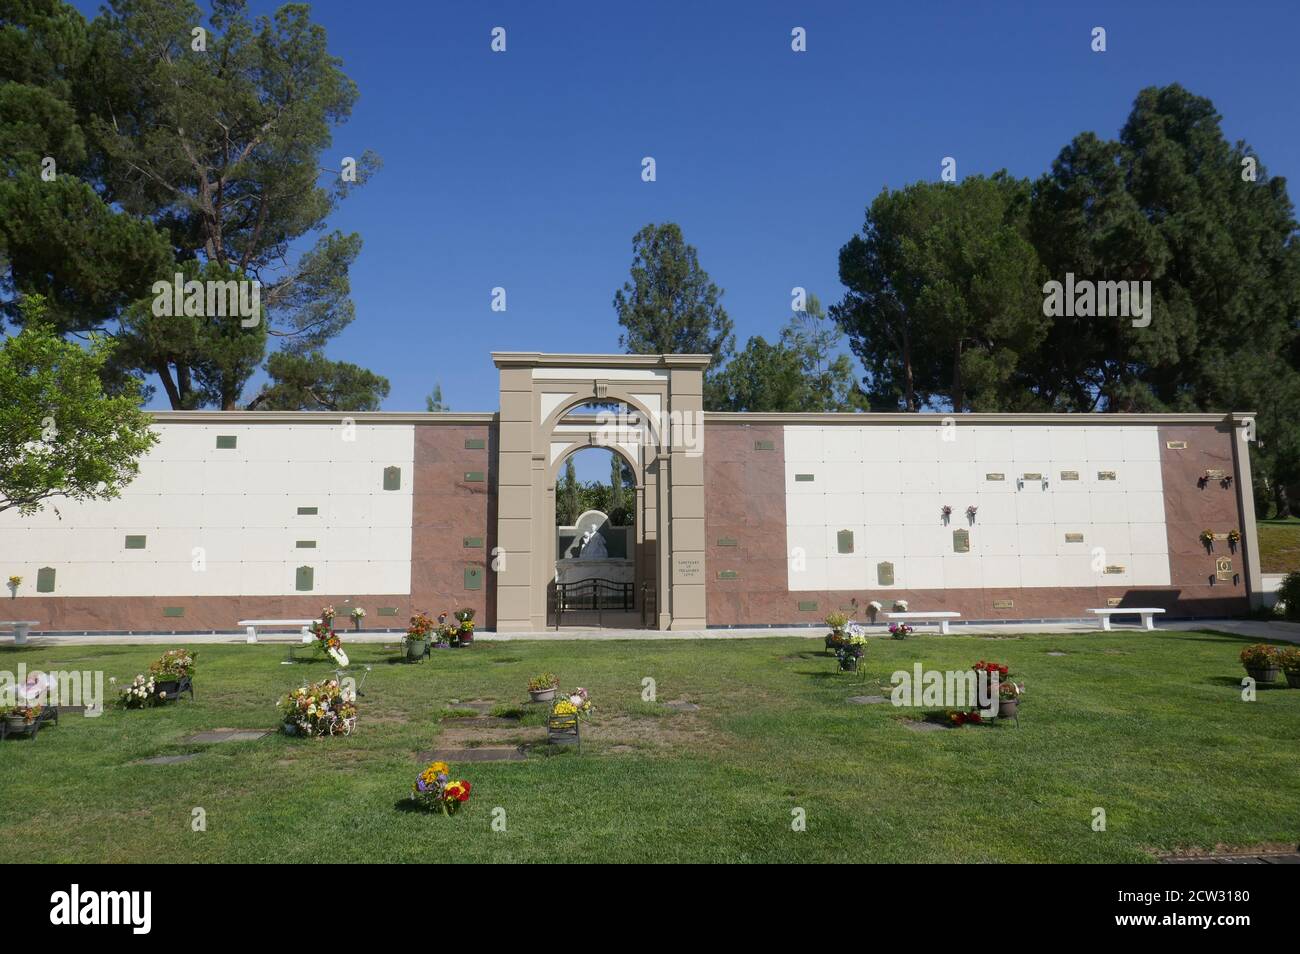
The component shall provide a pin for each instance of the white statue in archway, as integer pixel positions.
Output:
(593, 546)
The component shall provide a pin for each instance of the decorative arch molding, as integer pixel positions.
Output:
(537, 392)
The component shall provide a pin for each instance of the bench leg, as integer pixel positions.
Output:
(1149, 620)
(306, 634)
(943, 627)
(20, 634)
(250, 634)
(1105, 623)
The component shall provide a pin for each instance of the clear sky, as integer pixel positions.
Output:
(523, 169)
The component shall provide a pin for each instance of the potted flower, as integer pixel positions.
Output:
(900, 630)
(20, 718)
(542, 687)
(873, 608)
(324, 708)
(580, 701)
(327, 641)
(436, 790)
(1207, 539)
(140, 693)
(1261, 662)
(1289, 660)
(1234, 538)
(14, 583)
(852, 648)
(173, 674)
(1009, 699)
(837, 622)
(419, 629)
(357, 614)
(900, 606)
(465, 633)
(971, 511)
(945, 514)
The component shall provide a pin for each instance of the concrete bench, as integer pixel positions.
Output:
(20, 628)
(1146, 612)
(251, 626)
(938, 616)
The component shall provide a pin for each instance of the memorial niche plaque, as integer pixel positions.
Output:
(1176, 445)
(1069, 475)
(961, 541)
(1215, 474)
(1032, 477)
(1074, 538)
(1114, 569)
(844, 541)
(995, 476)
(1004, 604)
(1105, 475)
(1223, 569)
(1113, 601)
(885, 574)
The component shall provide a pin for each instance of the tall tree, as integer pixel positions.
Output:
(670, 305)
(566, 496)
(944, 295)
(434, 401)
(202, 149)
(803, 371)
(1173, 202)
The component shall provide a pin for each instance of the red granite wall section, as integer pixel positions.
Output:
(745, 501)
(446, 508)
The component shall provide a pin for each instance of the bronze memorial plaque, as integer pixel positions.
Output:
(885, 574)
(1223, 569)
(995, 476)
(1114, 569)
(1074, 538)
(1176, 445)
(1105, 475)
(1113, 601)
(1004, 604)
(1069, 475)
(961, 541)
(1215, 474)
(1031, 477)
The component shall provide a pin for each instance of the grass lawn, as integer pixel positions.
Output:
(1279, 545)
(1149, 726)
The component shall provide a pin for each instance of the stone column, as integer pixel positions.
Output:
(515, 502)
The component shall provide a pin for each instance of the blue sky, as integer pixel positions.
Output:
(522, 169)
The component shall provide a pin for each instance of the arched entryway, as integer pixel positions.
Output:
(648, 407)
(599, 538)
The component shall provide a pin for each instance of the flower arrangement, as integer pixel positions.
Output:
(357, 614)
(900, 606)
(434, 788)
(945, 512)
(1234, 538)
(900, 630)
(544, 681)
(448, 633)
(1289, 659)
(173, 665)
(852, 647)
(327, 641)
(14, 583)
(971, 511)
(966, 718)
(142, 692)
(324, 708)
(576, 703)
(992, 668)
(465, 633)
(419, 628)
(1207, 537)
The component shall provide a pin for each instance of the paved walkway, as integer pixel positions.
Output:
(1247, 629)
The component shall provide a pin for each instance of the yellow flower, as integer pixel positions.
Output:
(439, 767)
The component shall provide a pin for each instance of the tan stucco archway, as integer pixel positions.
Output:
(537, 391)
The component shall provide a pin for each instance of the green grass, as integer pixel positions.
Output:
(1149, 726)
(1279, 545)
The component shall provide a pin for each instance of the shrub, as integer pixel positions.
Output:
(1289, 659)
(1288, 595)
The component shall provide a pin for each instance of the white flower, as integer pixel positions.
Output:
(875, 605)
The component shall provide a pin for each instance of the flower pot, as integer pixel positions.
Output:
(414, 648)
(1263, 675)
(466, 638)
(290, 729)
(848, 663)
(1293, 679)
(169, 689)
(542, 695)
(17, 723)
(1008, 708)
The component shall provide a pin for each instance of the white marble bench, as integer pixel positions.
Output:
(937, 616)
(20, 628)
(251, 626)
(1146, 612)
